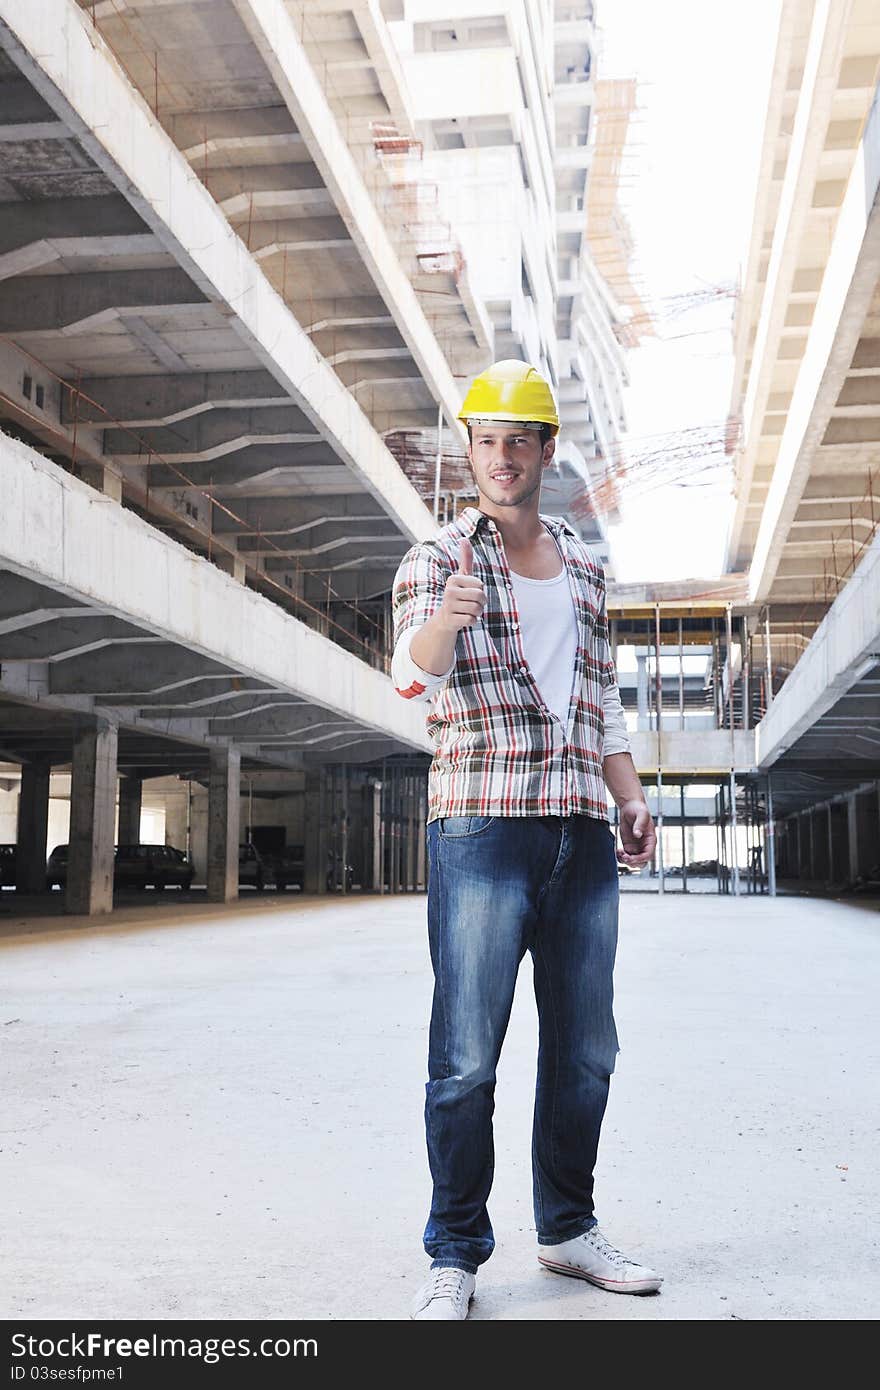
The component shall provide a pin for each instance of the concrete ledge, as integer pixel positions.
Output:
(835, 660)
(710, 751)
(60, 532)
(848, 284)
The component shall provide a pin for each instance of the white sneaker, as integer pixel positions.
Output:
(446, 1295)
(589, 1256)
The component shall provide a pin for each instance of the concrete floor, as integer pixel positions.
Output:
(219, 1115)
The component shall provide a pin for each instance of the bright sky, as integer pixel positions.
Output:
(689, 185)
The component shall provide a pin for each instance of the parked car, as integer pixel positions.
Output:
(134, 866)
(7, 865)
(251, 867)
(290, 868)
(56, 867)
(163, 866)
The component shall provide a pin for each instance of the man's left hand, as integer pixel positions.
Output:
(637, 834)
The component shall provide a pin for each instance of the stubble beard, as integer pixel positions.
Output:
(507, 500)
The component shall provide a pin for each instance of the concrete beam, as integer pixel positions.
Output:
(53, 44)
(168, 400)
(49, 304)
(348, 311)
(845, 646)
(201, 134)
(253, 462)
(34, 234)
(305, 515)
(148, 663)
(272, 237)
(64, 636)
(274, 716)
(212, 435)
(274, 32)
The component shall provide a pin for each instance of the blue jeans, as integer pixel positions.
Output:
(497, 887)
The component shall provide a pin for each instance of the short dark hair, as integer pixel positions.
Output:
(544, 433)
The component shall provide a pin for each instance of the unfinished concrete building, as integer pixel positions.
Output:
(226, 291)
(241, 274)
(807, 387)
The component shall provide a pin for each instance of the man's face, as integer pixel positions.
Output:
(507, 461)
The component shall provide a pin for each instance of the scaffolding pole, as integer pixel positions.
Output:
(658, 702)
(684, 872)
(771, 841)
(680, 675)
(438, 462)
(734, 857)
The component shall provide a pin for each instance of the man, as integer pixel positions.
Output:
(500, 623)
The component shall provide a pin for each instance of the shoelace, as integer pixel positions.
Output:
(448, 1283)
(608, 1252)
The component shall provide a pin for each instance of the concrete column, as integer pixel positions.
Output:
(344, 828)
(642, 691)
(421, 830)
(106, 480)
(376, 836)
(868, 832)
(92, 814)
(852, 836)
(131, 791)
(770, 842)
(224, 822)
(316, 812)
(231, 564)
(177, 817)
(839, 812)
(33, 824)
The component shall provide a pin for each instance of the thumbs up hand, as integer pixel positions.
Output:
(464, 596)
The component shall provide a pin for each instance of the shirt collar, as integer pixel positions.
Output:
(470, 519)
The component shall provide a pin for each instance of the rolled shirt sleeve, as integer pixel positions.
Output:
(409, 679)
(416, 595)
(616, 736)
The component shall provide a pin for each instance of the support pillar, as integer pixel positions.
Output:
(103, 478)
(852, 838)
(421, 827)
(131, 791)
(771, 841)
(642, 691)
(376, 807)
(316, 812)
(92, 815)
(33, 825)
(224, 823)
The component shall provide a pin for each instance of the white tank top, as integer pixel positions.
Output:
(548, 629)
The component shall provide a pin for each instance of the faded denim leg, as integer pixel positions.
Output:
(574, 950)
(485, 874)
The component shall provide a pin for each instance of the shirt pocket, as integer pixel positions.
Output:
(587, 605)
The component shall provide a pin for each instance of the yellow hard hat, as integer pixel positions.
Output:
(510, 390)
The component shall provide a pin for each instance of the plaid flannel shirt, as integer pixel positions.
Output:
(499, 750)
